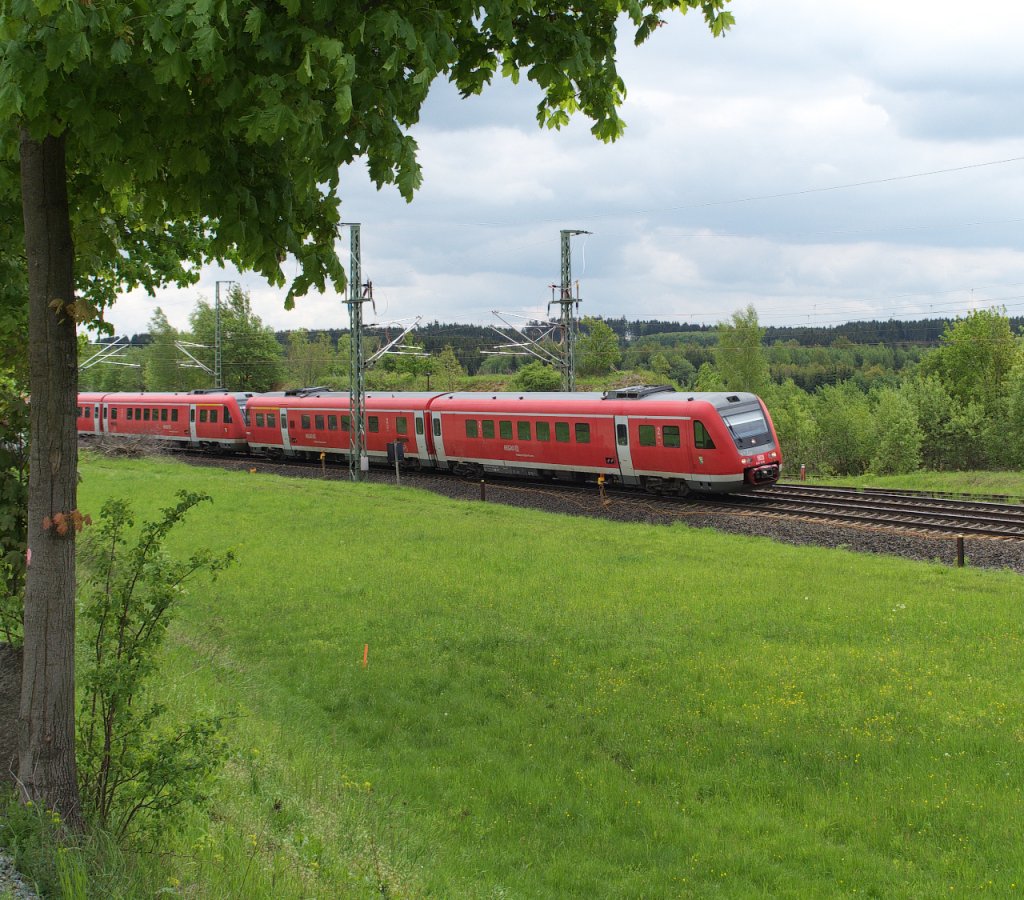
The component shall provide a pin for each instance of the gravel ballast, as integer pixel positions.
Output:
(904, 543)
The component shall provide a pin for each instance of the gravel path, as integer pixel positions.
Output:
(12, 886)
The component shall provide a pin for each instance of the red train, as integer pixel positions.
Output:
(666, 441)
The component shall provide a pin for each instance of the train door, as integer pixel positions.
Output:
(192, 423)
(623, 450)
(95, 418)
(422, 438)
(284, 431)
(438, 440)
(105, 423)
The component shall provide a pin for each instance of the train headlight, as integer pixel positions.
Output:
(744, 461)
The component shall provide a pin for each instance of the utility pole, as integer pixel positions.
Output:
(358, 294)
(568, 321)
(218, 372)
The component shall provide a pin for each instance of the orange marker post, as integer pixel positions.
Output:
(366, 655)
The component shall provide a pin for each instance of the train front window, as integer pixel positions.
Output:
(748, 429)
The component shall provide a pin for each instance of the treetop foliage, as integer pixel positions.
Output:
(214, 129)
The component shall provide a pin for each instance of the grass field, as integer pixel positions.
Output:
(559, 707)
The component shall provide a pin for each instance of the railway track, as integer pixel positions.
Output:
(910, 510)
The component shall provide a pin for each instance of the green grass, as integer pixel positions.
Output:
(560, 707)
(1004, 484)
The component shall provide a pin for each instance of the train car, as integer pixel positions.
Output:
(309, 422)
(650, 436)
(89, 413)
(206, 419)
(653, 436)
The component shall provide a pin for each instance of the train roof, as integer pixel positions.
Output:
(163, 396)
(592, 401)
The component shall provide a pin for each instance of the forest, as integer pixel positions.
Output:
(881, 397)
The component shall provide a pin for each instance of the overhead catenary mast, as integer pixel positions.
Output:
(218, 369)
(358, 294)
(535, 337)
(569, 318)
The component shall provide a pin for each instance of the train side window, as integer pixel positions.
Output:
(129, 416)
(319, 420)
(259, 420)
(138, 413)
(174, 415)
(227, 416)
(670, 436)
(346, 423)
(701, 438)
(113, 414)
(488, 428)
(163, 414)
(505, 429)
(543, 431)
(622, 435)
(332, 423)
(419, 426)
(472, 429)
(562, 432)
(647, 436)
(523, 431)
(203, 415)
(213, 415)
(305, 421)
(374, 423)
(271, 420)
(437, 426)
(582, 432)
(402, 424)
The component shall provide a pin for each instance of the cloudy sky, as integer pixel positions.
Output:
(825, 162)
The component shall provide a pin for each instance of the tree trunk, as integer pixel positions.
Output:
(46, 726)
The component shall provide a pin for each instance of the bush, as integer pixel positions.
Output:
(134, 767)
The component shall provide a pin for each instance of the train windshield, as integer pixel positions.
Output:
(748, 429)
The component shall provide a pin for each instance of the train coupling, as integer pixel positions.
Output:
(763, 474)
